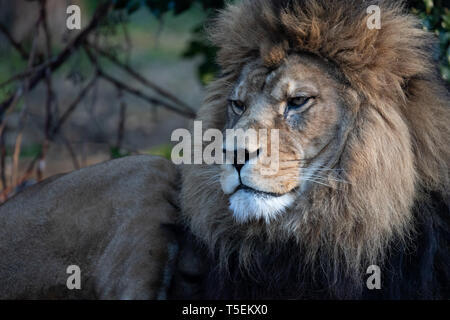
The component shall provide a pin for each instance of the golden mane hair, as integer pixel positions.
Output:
(396, 153)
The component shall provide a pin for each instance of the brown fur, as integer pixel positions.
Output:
(396, 149)
(106, 219)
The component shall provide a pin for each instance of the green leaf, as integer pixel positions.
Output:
(116, 153)
(445, 71)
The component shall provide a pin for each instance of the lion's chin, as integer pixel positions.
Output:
(247, 205)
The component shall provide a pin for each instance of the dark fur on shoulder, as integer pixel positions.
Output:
(419, 271)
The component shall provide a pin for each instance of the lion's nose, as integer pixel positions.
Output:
(238, 163)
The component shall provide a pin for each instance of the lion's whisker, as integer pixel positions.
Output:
(315, 181)
(330, 178)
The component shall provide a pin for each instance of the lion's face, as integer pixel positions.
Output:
(301, 101)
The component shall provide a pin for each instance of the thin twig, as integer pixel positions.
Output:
(21, 75)
(3, 156)
(6, 191)
(71, 150)
(57, 61)
(16, 157)
(143, 96)
(122, 86)
(141, 79)
(23, 112)
(48, 41)
(73, 106)
(122, 117)
(13, 42)
(128, 42)
(49, 86)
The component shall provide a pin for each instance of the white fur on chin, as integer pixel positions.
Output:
(248, 206)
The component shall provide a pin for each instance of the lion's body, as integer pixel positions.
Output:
(364, 125)
(106, 219)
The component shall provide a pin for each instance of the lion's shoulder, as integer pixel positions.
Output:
(108, 219)
(131, 175)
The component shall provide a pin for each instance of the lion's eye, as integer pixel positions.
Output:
(237, 106)
(298, 102)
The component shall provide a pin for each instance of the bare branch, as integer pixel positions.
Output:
(48, 41)
(71, 150)
(128, 42)
(16, 157)
(7, 191)
(101, 11)
(27, 73)
(23, 112)
(143, 96)
(13, 42)
(122, 117)
(122, 86)
(73, 106)
(3, 156)
(141, 79)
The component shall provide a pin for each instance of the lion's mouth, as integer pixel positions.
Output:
(262, 193)
(248, 204)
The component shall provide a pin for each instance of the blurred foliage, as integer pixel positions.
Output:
(116, 153)
(27, 151)
(198, 44)
(435, 16)
(159, 7)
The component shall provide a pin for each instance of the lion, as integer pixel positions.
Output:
(362, 184)
(363, 180)
(108, 220)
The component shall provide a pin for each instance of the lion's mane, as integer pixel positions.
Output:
(394, 212)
